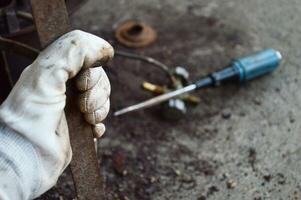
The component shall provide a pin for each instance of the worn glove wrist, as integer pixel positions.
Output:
(34, 108)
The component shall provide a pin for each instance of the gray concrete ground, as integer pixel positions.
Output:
(240, 142)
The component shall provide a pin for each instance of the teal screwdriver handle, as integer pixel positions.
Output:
(243, 69)
(257, 64)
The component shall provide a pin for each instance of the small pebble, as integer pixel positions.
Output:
(242, 114)
(202, 197)
(124, 172)
(152, 179)
(177, 172)
(224, 176)
(187, 178)
(231, 184)
(257, 101)
(119, 162)
(291, 117)
(226, 114)
(267, 177)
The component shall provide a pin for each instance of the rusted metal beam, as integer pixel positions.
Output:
(51, 20)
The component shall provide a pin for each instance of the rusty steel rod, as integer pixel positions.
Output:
(51, 20)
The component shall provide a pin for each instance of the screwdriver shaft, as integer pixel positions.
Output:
(157, 100)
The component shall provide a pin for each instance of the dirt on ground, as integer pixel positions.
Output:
(232, 145)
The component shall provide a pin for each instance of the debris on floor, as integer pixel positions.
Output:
(241, 143)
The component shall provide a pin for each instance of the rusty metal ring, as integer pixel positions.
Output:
(135, 34)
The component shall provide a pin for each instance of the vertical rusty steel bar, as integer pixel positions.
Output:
(51, 20)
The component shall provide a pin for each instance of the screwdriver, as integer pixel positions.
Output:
(240, 70)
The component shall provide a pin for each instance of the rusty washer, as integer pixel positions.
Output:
(135, 34)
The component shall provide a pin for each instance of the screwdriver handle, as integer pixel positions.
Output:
(258, 64)
(243, 69)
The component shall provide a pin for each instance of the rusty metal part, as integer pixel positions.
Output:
(74, 5)
(135, 34)
(51, 21)
(16, 19)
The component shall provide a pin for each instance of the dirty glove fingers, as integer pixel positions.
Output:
(98, 115)
(88, 78)
(99, 51)
(95, 97)
(78, 50)
(99, 130)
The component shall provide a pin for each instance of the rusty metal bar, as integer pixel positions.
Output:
(51, 20)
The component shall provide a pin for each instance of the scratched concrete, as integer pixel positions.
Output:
(241, 142)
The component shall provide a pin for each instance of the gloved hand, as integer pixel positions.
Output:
(35, 107)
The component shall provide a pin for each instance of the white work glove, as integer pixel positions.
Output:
(35, 107)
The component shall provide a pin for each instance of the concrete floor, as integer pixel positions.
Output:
(241, 142)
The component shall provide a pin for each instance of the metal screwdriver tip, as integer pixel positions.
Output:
(279, 55)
